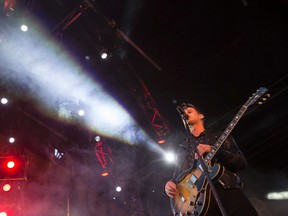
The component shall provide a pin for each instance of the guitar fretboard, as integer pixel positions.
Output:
(225, 134)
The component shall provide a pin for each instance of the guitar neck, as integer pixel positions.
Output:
(225, 134)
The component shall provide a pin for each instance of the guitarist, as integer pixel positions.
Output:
(228, 186)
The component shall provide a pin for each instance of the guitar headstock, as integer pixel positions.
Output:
(260, 96)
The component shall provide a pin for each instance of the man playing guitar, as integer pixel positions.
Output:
(228, 184)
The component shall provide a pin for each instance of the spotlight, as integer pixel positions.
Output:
(118, 188)
(10, 164)
(3, 214)
(104, 54)
(170, 157)
(24, 28)
(97, 138)
(81, 112)
(11, 140)
(4, 100)
(13, 167)
(6, 187)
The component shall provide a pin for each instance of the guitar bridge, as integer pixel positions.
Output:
(182, 198)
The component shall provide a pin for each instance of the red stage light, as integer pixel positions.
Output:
(10, 164)
(12, 167)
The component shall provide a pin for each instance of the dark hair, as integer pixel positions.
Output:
(186, 105)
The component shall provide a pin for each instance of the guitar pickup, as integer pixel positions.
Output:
(192, 181)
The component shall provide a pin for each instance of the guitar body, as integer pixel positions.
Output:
(193, 191)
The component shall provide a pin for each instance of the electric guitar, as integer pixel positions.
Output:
(193, 191)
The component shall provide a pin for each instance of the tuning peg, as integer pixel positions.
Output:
(264, 99)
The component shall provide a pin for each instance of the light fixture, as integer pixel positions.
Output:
(283, 195)
(10, 164)
(161, 141)
(105, 173)
(104, 54)
(97, 138)
(11, 140)
(6, 187)
(118, 188)
(13, 167)
(24, 28)
(4, 100)
(170, 157)
(81, 112)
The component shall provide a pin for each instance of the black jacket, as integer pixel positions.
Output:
(229, 156)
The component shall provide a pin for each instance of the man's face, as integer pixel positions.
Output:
(193, 116)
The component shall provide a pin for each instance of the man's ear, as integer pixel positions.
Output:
(202, 116)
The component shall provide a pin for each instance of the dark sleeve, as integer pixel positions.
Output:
(230, 156)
